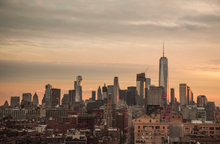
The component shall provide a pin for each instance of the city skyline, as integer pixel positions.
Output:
(51, 43)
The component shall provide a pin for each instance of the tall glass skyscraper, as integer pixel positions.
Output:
(163, 75)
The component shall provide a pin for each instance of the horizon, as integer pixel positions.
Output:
(44, 42)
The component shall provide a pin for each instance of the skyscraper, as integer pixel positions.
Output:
(78, 88)
(99, 93)
(93, 95)
(26, 97)
(15, 101)
(35, 99)
(111, 91)
(140, 88)
(47, 97)
(65, 100)
(189, 95)
(116, 90)
(202, 101)
(183, 94)
(147, 82)
(71, 97)
(56, 93)
(172, 95)
(147, 91)
(131, 96)
(163, 75)
(104, 92)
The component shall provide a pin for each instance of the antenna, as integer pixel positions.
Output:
(163, 49)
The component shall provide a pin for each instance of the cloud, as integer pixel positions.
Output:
(98, 18)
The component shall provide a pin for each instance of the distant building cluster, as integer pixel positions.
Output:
(144, 113)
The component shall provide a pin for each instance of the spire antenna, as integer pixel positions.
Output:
(163, 49)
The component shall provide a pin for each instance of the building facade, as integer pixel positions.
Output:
(72, 95)
(140, 87)
(15, 101)
(156, 96)
(163, 75)
(35, 99)
(183, 94)
(26, 97)
(93, 95)
(78, 89)
(47, 96)
(116, 91)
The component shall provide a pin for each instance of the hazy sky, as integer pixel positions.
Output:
(53, 41)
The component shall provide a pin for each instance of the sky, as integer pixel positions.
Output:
(53, 41)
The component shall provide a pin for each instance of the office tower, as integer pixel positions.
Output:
(163, 75)
(116, 91)
(26, 97)
(147, 92)
(123, 95)
(201, 101)
(140, 88)
(35, 99)
(99, 92)
(183, 94)
(210, 111)
(147, 82)
(48, 88)
(104, 92)
(157, 96)
(65, 100)
(78, 89)
(93, 95)
(131, 96)
(172, 95)
(15, 101)
(71, 97)
(189, 95)
(56, 93)
(111, 91)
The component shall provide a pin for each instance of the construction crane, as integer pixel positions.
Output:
(146, 70)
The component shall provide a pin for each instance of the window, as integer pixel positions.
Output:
(211, 132)
(150, 120)
(142, 133)
(163, 127)
(146, 137)
(217, 128)
(211, 128)
(157, 127)
(138, 127)
(172, 116)
(187, 128)
(146, 133)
